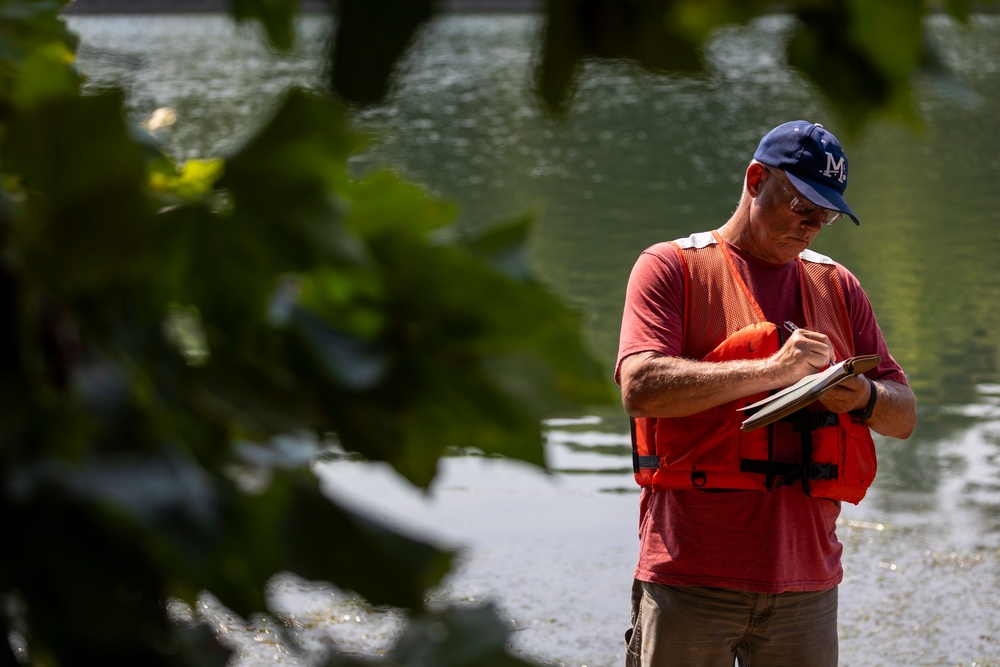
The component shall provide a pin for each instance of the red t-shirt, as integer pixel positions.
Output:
(762, 542)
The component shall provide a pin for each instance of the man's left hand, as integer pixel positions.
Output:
(851, 394)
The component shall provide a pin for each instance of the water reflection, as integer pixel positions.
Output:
(640, 159)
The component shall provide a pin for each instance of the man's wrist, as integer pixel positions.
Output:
(864, 414)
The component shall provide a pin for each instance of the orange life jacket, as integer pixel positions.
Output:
(723, 321)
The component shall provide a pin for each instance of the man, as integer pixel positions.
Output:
(739, 557)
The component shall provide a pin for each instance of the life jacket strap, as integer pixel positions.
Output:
(789, 473)
(640, 462)
(804, 421)
(810, 471)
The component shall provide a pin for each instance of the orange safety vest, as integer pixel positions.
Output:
(723, 321)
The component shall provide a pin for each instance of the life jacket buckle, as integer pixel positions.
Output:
(821, 471)
(805, 421)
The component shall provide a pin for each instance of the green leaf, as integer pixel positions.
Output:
(371, 37)
(641, 31)
(54, 147)
(84, 175)
(27, 25)
(349, 298)
(282, 180)
(853, 81)
(385, 207)
(479, 356)
(959, 9)
(277, 17)
(104, 605)
(505, 247)
(699, 18)
(164, 492)
(349, 361)
(46, 73)
(291, 526)
(193, 183)
(308, 135)
(455, 637)
(892, 34)
(326, 542)
(36, 53)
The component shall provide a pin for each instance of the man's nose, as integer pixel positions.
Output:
(814, 219)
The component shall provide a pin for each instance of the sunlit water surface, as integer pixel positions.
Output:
(640, 159)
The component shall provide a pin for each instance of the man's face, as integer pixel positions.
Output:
(782, 233)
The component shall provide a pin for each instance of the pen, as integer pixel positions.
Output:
(790, 326)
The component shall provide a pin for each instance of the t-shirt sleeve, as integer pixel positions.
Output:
(653, 317)
(868, 337)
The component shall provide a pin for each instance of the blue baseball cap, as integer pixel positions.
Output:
(813, 160)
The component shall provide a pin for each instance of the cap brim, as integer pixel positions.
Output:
(822, 195)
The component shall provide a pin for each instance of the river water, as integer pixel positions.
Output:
(638, 159)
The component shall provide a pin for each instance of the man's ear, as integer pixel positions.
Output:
(754, 178)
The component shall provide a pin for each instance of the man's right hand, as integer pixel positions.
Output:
(805, 352)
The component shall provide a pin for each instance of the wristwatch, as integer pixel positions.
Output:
(866, 414)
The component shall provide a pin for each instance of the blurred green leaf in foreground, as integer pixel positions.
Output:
(167, 326)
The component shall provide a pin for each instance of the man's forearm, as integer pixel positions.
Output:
(654, 385)
(895, 413)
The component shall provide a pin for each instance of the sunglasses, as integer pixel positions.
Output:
(802, 206)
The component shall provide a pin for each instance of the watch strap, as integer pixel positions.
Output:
(866, 414)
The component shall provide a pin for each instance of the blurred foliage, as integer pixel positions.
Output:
(862, 55)
(372, 36)
(166, 325)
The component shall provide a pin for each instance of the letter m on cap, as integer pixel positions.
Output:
(835, 167)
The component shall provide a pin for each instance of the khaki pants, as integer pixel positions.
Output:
(681, 626)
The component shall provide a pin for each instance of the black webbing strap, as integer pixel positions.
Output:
(770, 477)
(804, 423)
(777, 474)
(807, 455)
(635, 447)
(789, 473)
(640, 462)
(762, 467)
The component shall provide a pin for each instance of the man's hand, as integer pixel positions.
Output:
(851, 394)
(895, 412)
(805, 352)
